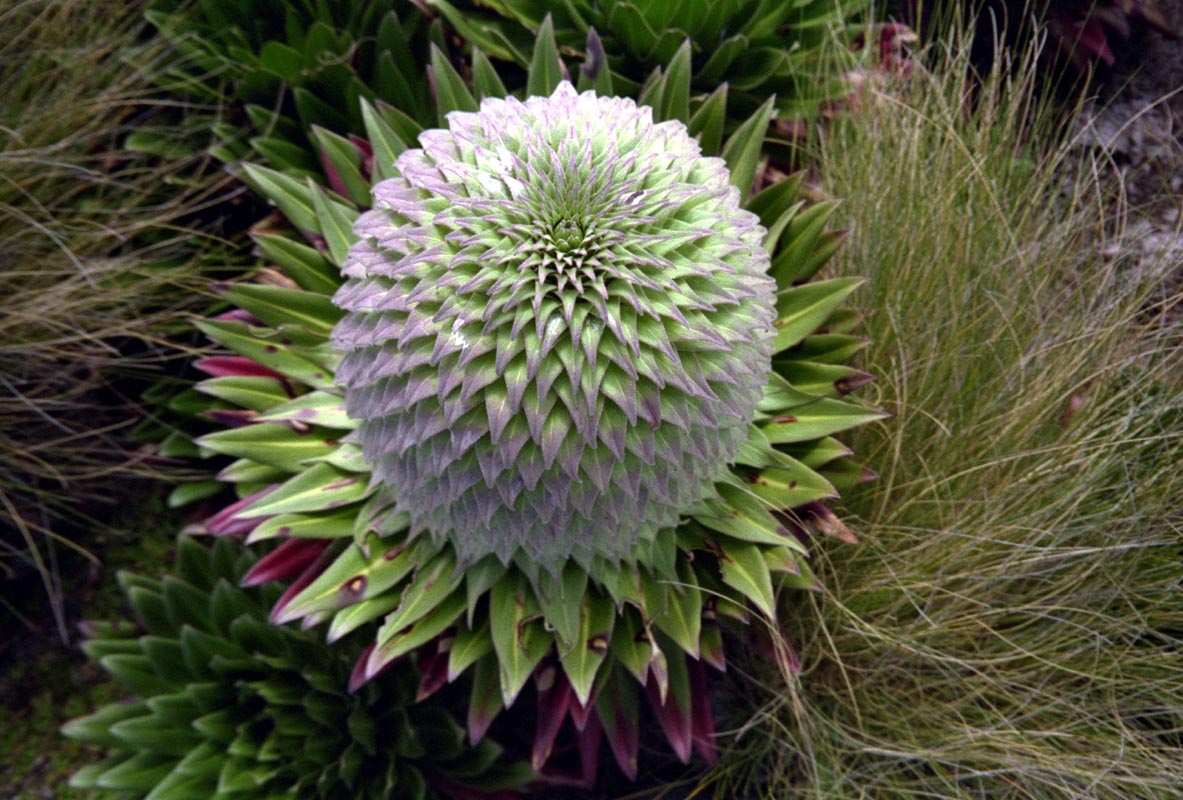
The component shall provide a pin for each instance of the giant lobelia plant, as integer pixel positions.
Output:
(228, 706)
(571, 413)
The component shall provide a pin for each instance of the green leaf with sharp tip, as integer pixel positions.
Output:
(291, 196)
(434, 580)
(743, 568)
(582, 662)
(325, 409)
(818, 452)
(319, 488)
(278, 305)
(250, 392)
(630, 645)
(96, 728)
(345, 159)
(431, 625)
(139, 773)
(269, 350)
(285, 156)
(518, 642)
(823, 249)
(272, 443)
(742, 523)
(303, 264)
(774, 202)
(707, 121)
(561, 599)
(184, 603)
(718, 65)
(742, 150)
(485, 79)
(151, 734)
(192, 491)
(469, 645)
(355, 576)
(785, 488)
(250, 477)
(816, 419)
(797, 243)
(546, 71)
(802, 309)
(682, 617)
(336, 524)
(336, 222)
(675, 96)
(451, 93)
(829, 348)
(387, 144)
(480, 578)
(486, 702)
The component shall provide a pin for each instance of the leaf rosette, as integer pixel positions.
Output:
(226, 705)
(572, 412)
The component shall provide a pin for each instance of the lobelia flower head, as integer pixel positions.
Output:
(558, 327)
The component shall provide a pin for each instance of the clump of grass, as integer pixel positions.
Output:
(1009, 624)
(95, 252)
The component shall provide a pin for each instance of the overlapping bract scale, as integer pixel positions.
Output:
(559, 326)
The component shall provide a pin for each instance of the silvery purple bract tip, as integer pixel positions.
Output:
(559, 326)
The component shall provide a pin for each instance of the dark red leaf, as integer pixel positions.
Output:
(225, 366)
(283, 562)
(227, 522)
(554, 698)
(702, 716)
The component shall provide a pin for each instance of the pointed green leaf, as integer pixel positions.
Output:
(274, 444)
(707, 121)
(742, 151)
(682, 618)
(318, 488)
(582, 662)
(818, 418)
(675, 97)
(291, 196)
(519, 643)
(451, 93)
(387, 144)
(325, 409)
(433, 582)
(468, 646)
(744, 569)
(802, 309)
(560, 600)
(485, 79)
(354, 577)
(546, 70)
(345, 161)
(429, 626)
(303, 264)
(335, 223)
(332, 525)
(278, 305)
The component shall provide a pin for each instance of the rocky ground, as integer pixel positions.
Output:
(1136, 124)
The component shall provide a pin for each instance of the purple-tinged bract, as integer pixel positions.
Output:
(559, 326)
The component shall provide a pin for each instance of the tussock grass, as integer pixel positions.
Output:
(94, 255)
(1011, 623)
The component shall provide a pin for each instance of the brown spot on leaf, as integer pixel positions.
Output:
(598, 644)
(356, 585)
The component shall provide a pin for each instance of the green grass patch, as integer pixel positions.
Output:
(1009, 624)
